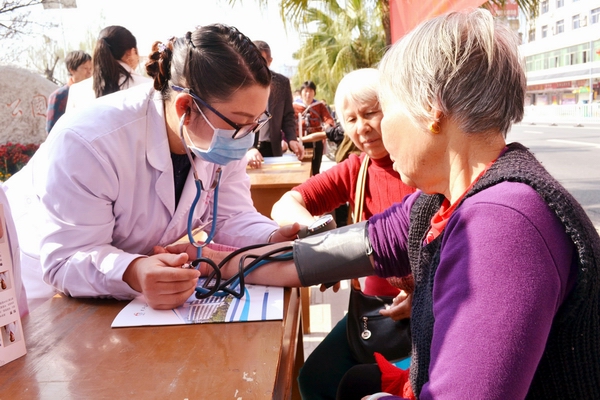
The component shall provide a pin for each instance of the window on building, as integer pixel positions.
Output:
(559, 57)
(538, 62)
(560, 3)
(576, 22)
(595, 15)
(532, 35)
(570, 59)
(544, 7)
(584, 56)
(560, 27)
(544, 31)
(528, 64)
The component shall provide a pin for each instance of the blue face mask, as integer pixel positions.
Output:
(222, 149)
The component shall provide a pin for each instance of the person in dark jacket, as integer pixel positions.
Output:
(79, 65)
(281, 128)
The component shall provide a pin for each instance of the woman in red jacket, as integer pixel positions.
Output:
(360, 115)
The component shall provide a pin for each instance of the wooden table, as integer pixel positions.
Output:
(308, 155)
(73, 353)
(271, 181)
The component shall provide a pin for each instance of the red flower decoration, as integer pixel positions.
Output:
(14, 156)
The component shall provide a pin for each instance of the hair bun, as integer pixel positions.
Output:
(158, 65)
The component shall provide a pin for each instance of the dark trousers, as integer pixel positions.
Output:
(317, 155)
(361, 380)
(341, 215)
(265, 149)
(323, 370)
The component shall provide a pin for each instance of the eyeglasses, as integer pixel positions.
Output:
(240, 130)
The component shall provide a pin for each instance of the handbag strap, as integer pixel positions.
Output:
(359, 197)
(359, 201)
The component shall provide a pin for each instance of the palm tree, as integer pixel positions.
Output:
(342, 39)
(345, 39)
(295, 10)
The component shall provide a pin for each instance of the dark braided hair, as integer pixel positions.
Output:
(158, 65)
(214, 62)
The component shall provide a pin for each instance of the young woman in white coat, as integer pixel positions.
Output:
(114, 180)
(115, 61)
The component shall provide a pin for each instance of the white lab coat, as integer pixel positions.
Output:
(81, 94)
(105, 181)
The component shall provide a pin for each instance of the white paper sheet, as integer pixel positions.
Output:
(260, 303)
(282, 160)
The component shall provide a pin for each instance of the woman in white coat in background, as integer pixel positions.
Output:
(115, 61)
(114, 180)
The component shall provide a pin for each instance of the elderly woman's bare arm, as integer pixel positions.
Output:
(277, 273)
(341, 253)
(291, 208)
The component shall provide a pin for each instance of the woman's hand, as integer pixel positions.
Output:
(285, 233)
(177, 248)
(297, 148)
(400, 308)
(211, 251)
(254, 158)
(161, 280)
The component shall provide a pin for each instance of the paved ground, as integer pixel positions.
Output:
(326, 309)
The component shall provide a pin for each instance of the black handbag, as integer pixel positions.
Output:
(367, 330)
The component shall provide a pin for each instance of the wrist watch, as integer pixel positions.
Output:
(322, 224)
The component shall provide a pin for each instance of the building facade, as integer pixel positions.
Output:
(561, 48)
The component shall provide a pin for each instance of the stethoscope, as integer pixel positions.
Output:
(199, 188)
(213, 285)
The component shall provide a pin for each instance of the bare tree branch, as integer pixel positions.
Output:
(14, 17)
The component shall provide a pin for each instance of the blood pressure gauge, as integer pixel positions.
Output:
(322, 224)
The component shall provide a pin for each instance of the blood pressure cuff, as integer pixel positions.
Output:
(334, 255)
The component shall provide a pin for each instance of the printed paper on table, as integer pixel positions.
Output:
(12, 342)
(260, 303)
(286, 159)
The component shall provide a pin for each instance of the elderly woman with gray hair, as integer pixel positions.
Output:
(357, 104)
(505, 261)
(504, 258)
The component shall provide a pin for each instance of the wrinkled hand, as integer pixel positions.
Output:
(286, 233)
(400, 308)
(297, 148)
(161, 279)
(254, 157)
